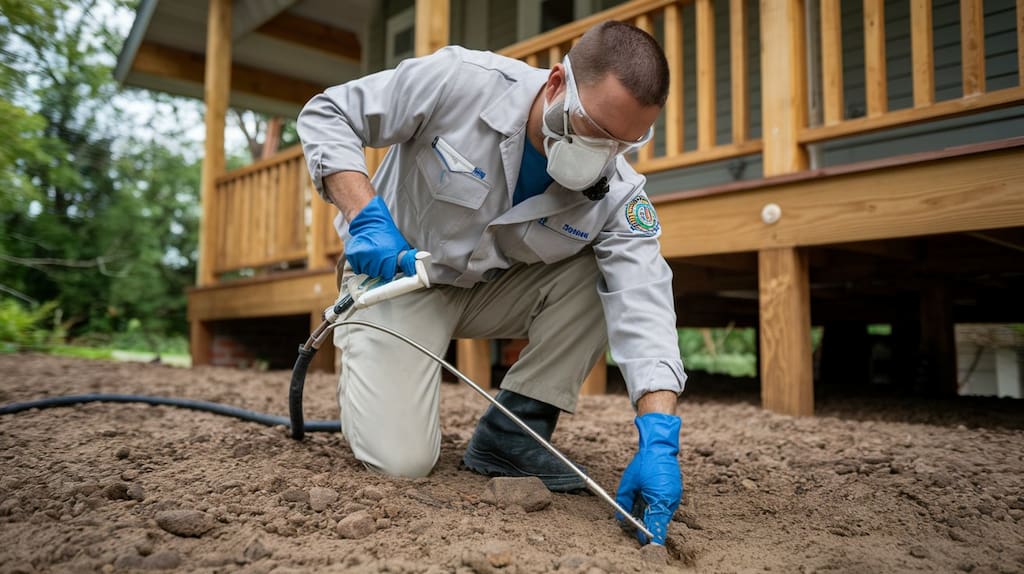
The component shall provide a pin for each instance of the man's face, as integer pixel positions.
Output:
(611, 112)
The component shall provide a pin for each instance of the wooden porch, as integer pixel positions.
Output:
(920, 241)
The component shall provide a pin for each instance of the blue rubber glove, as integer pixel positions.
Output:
(376, 243)
(652, 481)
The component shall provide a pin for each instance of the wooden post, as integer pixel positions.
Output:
(431, 26)
(200, 342)
(473, 358)
(319, 228)
(785, 321)
(674, 107)
(787, 384)
(783, 85)
(972, 46)
(738, 63)
(922, 46)
(832, 61)
(596, 382)
(216, 89)
(323, 360)
(705, 75)
(938, 341)
(875, 80)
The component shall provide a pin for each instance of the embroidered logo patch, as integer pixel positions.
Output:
(641, 216)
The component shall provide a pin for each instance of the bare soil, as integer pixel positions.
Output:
(869, 485)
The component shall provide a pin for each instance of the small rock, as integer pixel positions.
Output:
(877, 459)
(255, 550)
(116, 491)
(527, 492)
(844, 468)
(654, 554)
(722, 460)
(573, 562)
(135, 492)
(122, 453)
(321, 498)
(477, 562)
(748, 484)
(144, 548)
(919, 552)
(383, 523)
(166, 560)
(128, 562)
(966, 566)
(295, 495)
(704, 451)
(356, 525)
(370, 493)
(185, 522)
(498, 554)
(958, 534)
(130, 474)
(242, 450)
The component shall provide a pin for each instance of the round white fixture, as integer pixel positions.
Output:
(771, 213)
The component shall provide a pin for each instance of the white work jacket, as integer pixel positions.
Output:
(456, 124)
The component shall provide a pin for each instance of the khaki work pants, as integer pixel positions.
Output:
(389, 392)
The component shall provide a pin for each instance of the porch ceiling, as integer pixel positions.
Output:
(284, 51)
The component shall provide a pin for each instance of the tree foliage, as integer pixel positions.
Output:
(98, 212)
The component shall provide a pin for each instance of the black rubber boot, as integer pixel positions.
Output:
(500, 448)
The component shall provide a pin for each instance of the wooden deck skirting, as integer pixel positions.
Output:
(968, 189)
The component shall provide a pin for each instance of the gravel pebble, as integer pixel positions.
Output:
(357, 525)
(527, 492)
(321, 498)
(185, 522)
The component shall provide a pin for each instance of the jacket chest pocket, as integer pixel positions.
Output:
(450, 177)
(558, 237)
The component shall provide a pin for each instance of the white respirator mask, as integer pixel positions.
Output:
(577, 162)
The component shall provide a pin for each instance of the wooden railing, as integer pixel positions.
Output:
(664, 20)
(878, 116)
(267, 214)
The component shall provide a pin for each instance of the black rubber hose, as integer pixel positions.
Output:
(206, 406)
(295, 391)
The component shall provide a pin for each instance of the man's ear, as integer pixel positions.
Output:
(556, 82)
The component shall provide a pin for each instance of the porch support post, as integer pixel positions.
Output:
(787, 384)
(216, 88)
(323, 361)
(200, 342)
(473, 358)
(432, 25)
(938, 341)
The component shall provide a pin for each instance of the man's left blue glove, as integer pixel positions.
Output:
(376, 243)
(653, 481)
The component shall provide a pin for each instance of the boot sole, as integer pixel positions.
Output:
(489, 464)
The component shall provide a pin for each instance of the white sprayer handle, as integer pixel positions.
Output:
(398, 286)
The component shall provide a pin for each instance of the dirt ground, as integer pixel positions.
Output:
(869, 485)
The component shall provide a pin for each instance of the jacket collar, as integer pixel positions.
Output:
(509, 112)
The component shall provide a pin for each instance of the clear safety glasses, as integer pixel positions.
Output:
(576, 113)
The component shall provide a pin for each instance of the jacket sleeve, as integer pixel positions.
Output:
(636, 293)
(377, 110)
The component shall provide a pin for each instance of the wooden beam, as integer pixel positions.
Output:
(923, 55)
(705, 75)
(674, 107)
(313, 35)
(217, 87)
(288, 293)
(176, 64)
(972, 46)
(874, 57)
(909, 116)
(431, 26)
(473, 358)
(951, 194)
(596, 382)
(783, 85)
(832, 61)
(739, 70)
(787, 383)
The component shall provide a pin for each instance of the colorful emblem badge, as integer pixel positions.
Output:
(641, 216)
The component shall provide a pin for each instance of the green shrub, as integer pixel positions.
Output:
(24, 327)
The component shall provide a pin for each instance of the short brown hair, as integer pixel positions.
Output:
(632, 55)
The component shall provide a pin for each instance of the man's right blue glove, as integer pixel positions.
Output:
(377, 243)
(654, 475)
